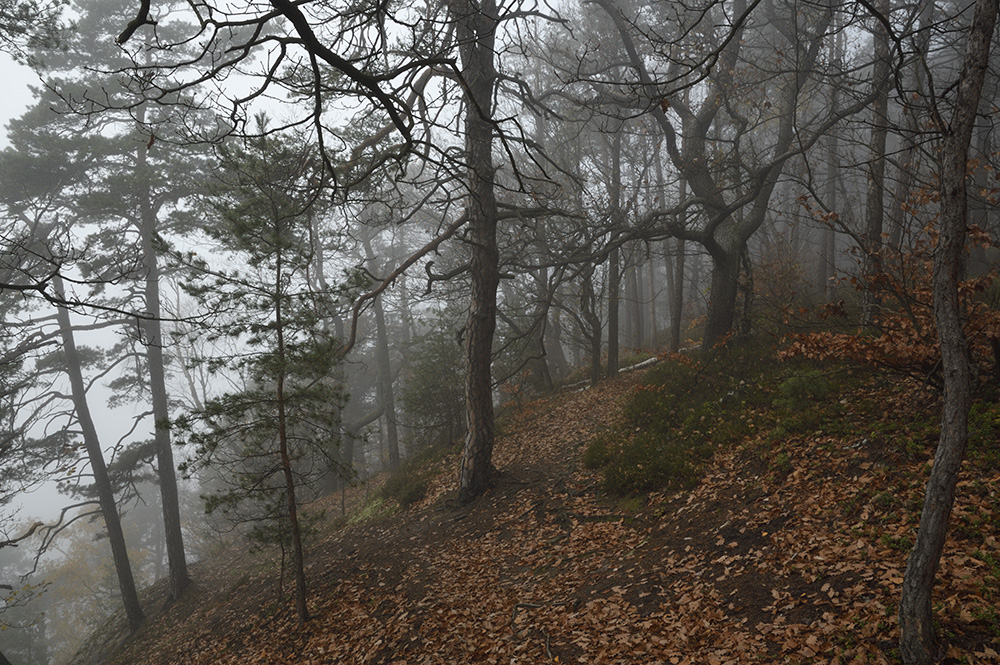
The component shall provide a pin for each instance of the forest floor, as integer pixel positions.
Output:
(795, 557)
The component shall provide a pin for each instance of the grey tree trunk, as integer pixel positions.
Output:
(476, 25)
(102, 482)
(635, 303)
(677, 297)
(165, 469)
(383, 389)
(874, 203)
(916, 640)
(826, 265)
(588, 308)
(614, 260)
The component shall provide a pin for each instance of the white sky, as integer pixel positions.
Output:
(16, 96)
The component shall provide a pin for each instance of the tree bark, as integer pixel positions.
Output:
(384, 389)
(614, 260)
(165, 469)
(476, 25)
(722, 299)
(588, 307)
(298, 558)
(874, 203)
(916, 641)
(102, 482)
(635, 301)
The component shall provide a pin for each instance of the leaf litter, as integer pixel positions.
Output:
(749, 566)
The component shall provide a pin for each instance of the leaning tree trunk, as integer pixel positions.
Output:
(916, 639)
(476, 25)
(98, 467)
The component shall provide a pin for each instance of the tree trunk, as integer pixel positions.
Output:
(298, 558)
(3, 659)
(102, 482)
(476, 24)
(165, 469)
(554, 345)
(614, 260)
(826, 264)
(384, 389)
(721, 307)
(635, 299)
(677, 297)
(588, 307)
(874, 203)
(653, 327)
(916, 640)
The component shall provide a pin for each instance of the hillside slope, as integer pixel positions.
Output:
(774, 557)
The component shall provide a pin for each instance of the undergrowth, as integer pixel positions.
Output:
(408, 483)
(691, 405)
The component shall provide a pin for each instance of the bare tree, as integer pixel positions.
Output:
(916, 641)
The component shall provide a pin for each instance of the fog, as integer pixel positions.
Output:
(240, 273)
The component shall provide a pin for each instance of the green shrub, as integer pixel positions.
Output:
(984, 429)
(797, 391)
(687, 407)
(600, 451)
(406, 487)
(645, 462)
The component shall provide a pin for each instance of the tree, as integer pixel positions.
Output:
(875, 198)
(270, 441)
(26, 24)
(476, 31)
(118, 185)
(916, 639)
(738, 132)
(99, 469)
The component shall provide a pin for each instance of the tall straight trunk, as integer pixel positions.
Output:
(165, 469)
(588, 307)
(383, 387)
(826, 266)
(916, 639)
(476, 24)
(614, 260)
(653, 324)
(102, 482)
(298, 558)
(874, 200)
(675, 271)
(614, 303)
(554, 344)
(635, 298)
(628, 328)
(909, 161)
(676, 295)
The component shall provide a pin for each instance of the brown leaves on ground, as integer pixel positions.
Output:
(755, 565)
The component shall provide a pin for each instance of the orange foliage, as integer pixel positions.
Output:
(905, 338)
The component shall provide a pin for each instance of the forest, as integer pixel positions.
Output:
(258, 258)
